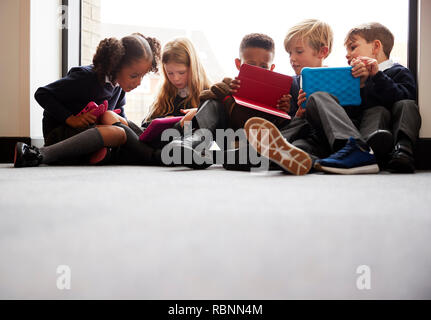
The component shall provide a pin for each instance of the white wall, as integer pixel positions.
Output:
(424, 66)
(45, 54)
(14, 68)
(30, 32)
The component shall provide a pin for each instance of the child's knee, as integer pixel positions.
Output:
(405, 104)
(106, 118)
(110, 117)
(113, 136)
(120, 134)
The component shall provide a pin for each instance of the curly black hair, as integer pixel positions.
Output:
(257, 40)
(113, 54)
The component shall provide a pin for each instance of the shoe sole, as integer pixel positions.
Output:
(372, 168)
(278, 150)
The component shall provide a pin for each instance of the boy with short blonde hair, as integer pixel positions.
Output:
(317, 33)
(308, 44)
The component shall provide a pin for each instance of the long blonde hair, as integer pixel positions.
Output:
(182, 51)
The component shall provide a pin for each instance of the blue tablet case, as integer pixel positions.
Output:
(337, 81)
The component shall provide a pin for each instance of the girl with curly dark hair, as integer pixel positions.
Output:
(118, 67)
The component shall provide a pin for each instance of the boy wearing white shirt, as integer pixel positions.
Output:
(388, 94)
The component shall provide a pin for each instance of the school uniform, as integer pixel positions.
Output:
(385, 100)
(69, 95)
(389, 102)
(178, 103)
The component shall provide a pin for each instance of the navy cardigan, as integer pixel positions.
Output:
(389, 86)
(69, 95)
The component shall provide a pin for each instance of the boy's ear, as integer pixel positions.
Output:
(323, 52)
(377, 46)
(272, 67)
(238, 63)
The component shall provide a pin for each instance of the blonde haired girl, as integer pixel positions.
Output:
(184, 78)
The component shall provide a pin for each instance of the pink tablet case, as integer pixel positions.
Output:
(157, 126)
(97, 110)
(261, 89)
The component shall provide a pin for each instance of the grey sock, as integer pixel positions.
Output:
(83, 143)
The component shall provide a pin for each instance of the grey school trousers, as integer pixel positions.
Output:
(325, 128)
(402, 118)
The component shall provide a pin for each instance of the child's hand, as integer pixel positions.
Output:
(284, 103)
(371, 64)
(359, 70)
(302, 96)
(189, 114)
(234, 85)
(300, 112)
(82, 121)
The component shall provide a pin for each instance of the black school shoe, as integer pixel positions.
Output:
(402, 160)
(382, 143)
(26, 156)
(191, 157)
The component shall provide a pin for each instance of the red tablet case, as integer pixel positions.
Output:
(156, 128)
(261, 89)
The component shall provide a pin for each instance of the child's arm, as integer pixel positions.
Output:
(390, 89)
(51, 97)
(82, 121)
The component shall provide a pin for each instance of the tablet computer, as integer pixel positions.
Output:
(156, 128)
(336, 81)
(261, 89)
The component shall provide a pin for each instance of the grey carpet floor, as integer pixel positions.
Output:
(172, 233)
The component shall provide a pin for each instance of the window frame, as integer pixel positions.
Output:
(71, 38)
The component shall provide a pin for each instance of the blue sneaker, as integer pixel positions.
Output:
(352, 159)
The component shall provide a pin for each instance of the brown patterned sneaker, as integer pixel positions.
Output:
(267, 140)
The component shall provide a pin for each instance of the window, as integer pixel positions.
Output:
(216, 29)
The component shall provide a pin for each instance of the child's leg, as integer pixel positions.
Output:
(83, 143)
(134, 151)
(80, 144)
(298, 128)
(324, 113)
(110, 117)
(373, 119)
(375, 128)
(406, 125)
(406, 122)
(211, 116)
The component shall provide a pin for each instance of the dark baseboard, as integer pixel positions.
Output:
(7, 147)
(423, 154)
(422, 151)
